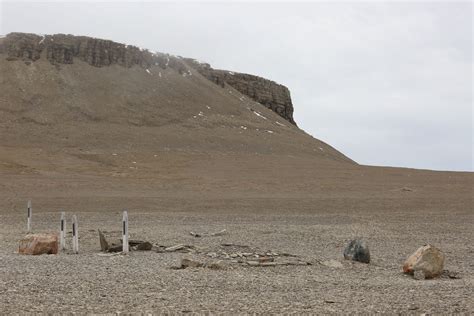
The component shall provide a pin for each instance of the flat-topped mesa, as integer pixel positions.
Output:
(64, 48)
(269, 93)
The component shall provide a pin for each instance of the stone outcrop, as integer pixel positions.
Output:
(269, 93)
(64, 49)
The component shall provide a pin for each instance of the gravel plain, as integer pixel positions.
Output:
(146, 282)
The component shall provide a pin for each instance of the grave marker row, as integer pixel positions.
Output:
(75, 230)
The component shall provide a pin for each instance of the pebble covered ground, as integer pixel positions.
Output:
(148, 282)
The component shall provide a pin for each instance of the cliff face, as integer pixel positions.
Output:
(269, 93)
(63, 49)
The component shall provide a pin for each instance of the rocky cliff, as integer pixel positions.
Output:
(63, 49)
(269, 93)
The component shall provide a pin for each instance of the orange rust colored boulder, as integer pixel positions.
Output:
(38, 244)
(427, 259)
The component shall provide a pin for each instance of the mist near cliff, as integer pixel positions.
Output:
(387, 84)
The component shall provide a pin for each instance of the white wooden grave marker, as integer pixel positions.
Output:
(62, 232)
(125, 232)
(30, 213)
(75, 235)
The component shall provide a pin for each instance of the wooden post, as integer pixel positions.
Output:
(125, 232)
(62, 232)
(75, 235)
(30, 213)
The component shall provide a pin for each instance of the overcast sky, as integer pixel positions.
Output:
(385, 83)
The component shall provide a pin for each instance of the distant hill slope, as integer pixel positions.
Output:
(67, 107)
(92, 118)
(63, 49)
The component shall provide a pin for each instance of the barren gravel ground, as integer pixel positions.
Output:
(315, 229)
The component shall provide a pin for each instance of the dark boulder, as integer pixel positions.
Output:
(357, 250)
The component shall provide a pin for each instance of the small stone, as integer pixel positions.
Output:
(357, 250)
(175, 248)
(219, 233)
(158, 248)
(332, 264)
(144, 246)
(428, 259)
(38, 244)
(104, 245)
(266, 259)
(188, 263)
(115, 248)
(134, 242)
(217, 265)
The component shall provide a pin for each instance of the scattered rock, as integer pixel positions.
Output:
(332, 264)
(38, 244)
(265, 259)
(215, 265)
(427, 259)
(110, 254)
(451, 274)
(134, 242)
(144, 246)
(104, 245)
(229, 244)
(180, 248)
(158, 248)
(175, 248)
(219, 233)
(254, 263)
(188, 263)
(357, 250)
(115, 248)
